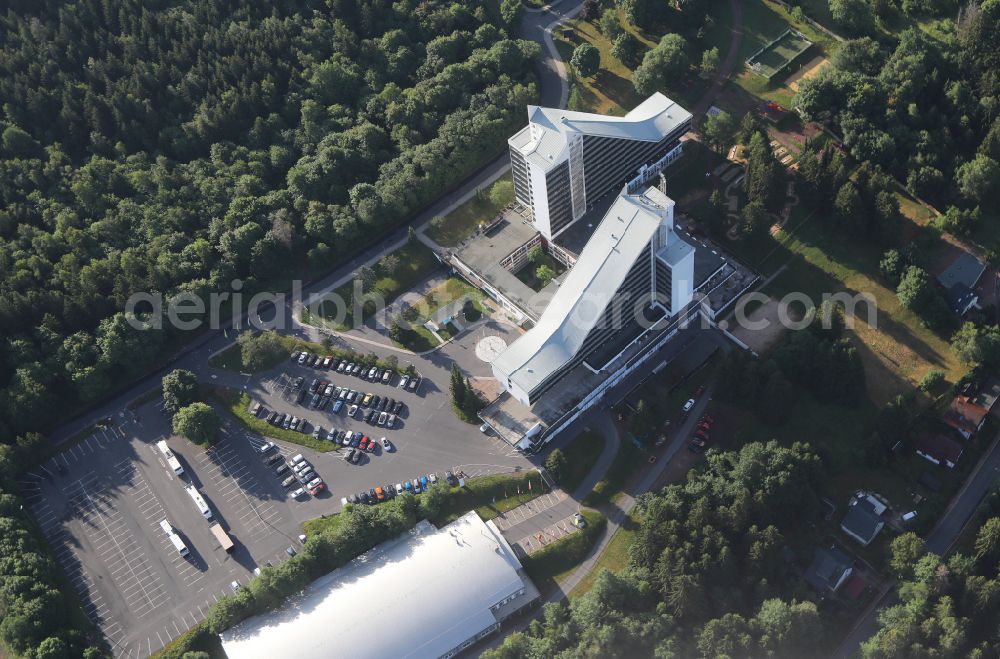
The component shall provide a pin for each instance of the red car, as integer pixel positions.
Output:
(708, 418)
(371, 445)
(702, 434)
(363, 444)
(316, 490)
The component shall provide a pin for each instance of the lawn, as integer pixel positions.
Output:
(897, 349)
(418, 338)
(610, 91)
(626, 460)
(615, 556)
(581, 456)
(557, 559)
(456, 226)
(414, 262)
(528, 276)
(238, 404)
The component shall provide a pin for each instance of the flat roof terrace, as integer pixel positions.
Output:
(484, 251)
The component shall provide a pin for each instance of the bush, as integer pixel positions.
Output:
(259, 352)
(197, 422)
(932, 380)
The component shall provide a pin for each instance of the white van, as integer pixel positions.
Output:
(172, 460)
(199, 501)
(175, 539)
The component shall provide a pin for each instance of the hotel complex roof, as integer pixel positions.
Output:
(578, 304)
(544, 140)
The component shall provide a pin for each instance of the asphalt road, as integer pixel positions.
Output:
(939, 541)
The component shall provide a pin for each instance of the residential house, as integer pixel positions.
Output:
(939, 449)
(863, 520)
(830, 568)
(959, 282)
(968, 410)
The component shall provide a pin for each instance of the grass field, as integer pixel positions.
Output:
(581, 456)
(415, 262)
(614, 558)
(451, 229)
(417, 337)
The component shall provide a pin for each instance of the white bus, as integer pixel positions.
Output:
(199, 501)
(172, 460)
(175, 539)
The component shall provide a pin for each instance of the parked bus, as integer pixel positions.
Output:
(175, 539)
(222, 536)
(172, 460)
(199, 501)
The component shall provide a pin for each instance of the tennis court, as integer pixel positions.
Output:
(775, 57)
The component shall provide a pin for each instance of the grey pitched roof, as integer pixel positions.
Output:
(617, 242)
(862, 522)
(827, 567)
(544, 140)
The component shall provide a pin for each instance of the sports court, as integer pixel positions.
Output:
(777, 55)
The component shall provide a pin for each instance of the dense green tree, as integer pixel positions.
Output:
(709, 63)
(625, 49)
(609, 25)
(856, 16)
(662, 65)
(197, 422)
(557, 465)
(586, 60)
(978, 178)
(977, 345)
(262, 350)
(719, 131)
(180, 389)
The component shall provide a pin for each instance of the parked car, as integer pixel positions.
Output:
(352, 411)
(317, 431)
(332, 435)
(314, 403)
(414, 383)
(298, 494)
(695, 447)
(371, 445)
(450, 478)
(356, 458)
(288, 481)
(301, 467)
(280, 469)
(398, 408)
(379, 493)
(301, 396)
(271, 417)
(302, 358)
(265, 447)
(433, 478)
(423, 482)
(403, 381)
(382, 418)
(297, 458)
(326, 361)
(279, 420)
(271, 459)
(387, 377)
(295, 355)
(356, 440)
(341, 366)
(307, 476)
(290, 550)
(356, 371)
(343, 394)
(375, 402)
(287, 423)
(390, 405)
(416, 486)
(315, 486)
(349, 456)
(399, 488)
(299, 381)
(408, 486)
(345, 438)
(386, 445)
(391, 421)
(688, 405)
(365, 497)
(256, 408)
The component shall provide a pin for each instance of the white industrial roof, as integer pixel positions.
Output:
(419, 595)
(544, 140)
(578, 304)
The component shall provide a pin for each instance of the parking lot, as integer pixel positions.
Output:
(100, 502)
(426, 438)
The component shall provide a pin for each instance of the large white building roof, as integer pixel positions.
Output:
(578, 304)
(420, 595)
(544, 140)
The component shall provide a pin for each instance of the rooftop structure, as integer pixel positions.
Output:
(564, 162)
(959, 282)
(968, 410)
(436, 591)
(940, 450)
(633, 259)
(830, 568)
(863, 520)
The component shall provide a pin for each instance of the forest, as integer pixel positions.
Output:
(707, 574)
(174, 146)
